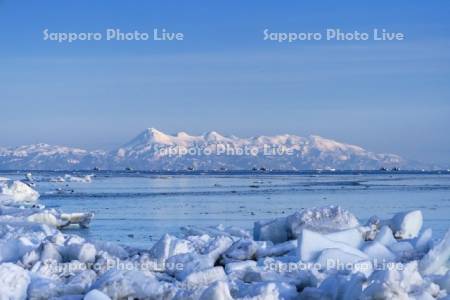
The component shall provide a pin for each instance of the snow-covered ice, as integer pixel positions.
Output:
(328, 219)
(16, 192)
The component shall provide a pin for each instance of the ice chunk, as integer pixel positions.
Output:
(240, 250)
(235, 231)
(336, 259)
(13, 192)
(385, 236)
(83, 252)
(169, 246)
(403, 249)
(50, 252)
(311, 244)
(81, 219)
(51, 217)
(351, 289)
(43, 287)
(406, 225)
(96, 295)
(278, 249)
(351, 237)
(241, 266)
(47, 218)
(326, 220)
(443, 281)
(274, 230)
(118, 284)
(378, 252)
(29, 180)
(111, 248)
(330, 259)
(423, 242)
(215, 231)
(266, 291)
(181, 265)
(217, 291)
(82, 179)
(80, 283)
(29, 259)
(436, 261)
(11, 250)
(341, 287)
(217, 246)
(398, 283)
(14, 282)
(312, 293)
(205, 277)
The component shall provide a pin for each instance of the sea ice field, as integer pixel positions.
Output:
(136, 209)
(311, 235)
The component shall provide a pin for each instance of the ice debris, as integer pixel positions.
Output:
(321, 253)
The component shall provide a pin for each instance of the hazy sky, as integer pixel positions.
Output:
(385, 96)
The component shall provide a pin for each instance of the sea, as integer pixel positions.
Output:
(135, 209)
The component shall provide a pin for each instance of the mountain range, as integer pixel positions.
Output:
(155, 150)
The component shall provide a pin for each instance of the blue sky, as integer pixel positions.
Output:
(385, 96)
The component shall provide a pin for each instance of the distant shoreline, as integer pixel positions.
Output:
(234, 172)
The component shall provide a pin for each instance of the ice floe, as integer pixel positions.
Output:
(16, 192)
(321, 253)
(70, 178)
(83, 179)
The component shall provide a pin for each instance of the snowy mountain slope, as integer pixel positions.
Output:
(48, 157)
(155, 150)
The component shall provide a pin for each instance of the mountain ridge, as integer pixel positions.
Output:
(155, 150)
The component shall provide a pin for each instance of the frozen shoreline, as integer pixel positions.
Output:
(314, 253)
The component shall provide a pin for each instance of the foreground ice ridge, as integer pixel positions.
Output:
(321, 253)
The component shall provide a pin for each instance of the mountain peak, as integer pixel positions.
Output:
(183, 134)
(325, 144)
(213, 136)
(149, 136)
(153, 131)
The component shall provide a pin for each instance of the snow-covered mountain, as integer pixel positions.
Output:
(48, 157)
(155, 150)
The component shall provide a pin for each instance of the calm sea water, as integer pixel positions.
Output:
(135, 209)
